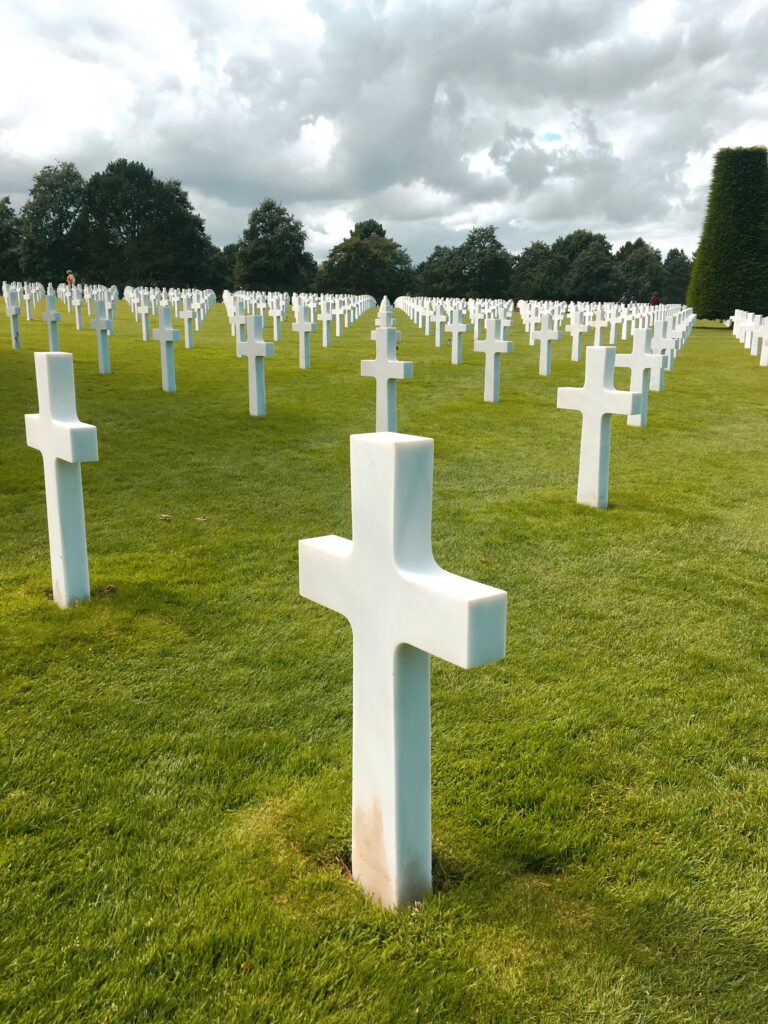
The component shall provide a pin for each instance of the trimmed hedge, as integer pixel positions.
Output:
(730, 270)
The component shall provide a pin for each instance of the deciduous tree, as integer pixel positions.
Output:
(367, 263)
(142, 230)
(10, 238)
(52, 237)
(271, 255)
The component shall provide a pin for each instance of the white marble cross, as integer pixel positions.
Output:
(325, 316)
(254, 348)
(167, 335)
(188, 316)
(12, 310)
(276, 313)
(52, 317)
(64, 442)
(662, 344)
(143, 309)
(576, 329)
(598, 325)
(493, 346)
(456, 327)
(597, 401)
(386, 369)
(545, 335)
(77, 305)
(439, 318)
(102, 325)
(641, 362)
(303, 327)
(402, 608)
(762, 335)
(238, 322)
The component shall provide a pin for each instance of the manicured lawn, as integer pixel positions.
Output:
(175, 754)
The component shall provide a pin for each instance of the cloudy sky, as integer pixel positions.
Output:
(538, 117)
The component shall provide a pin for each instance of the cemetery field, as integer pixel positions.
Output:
(175, 754)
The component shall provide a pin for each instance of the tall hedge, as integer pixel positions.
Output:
(731, 266)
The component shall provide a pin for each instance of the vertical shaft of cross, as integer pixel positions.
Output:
(257, 388)
(594, 460)
(67, 543)
(167, 366)
(492, 375)
(391, 777)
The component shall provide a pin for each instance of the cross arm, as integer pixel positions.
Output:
(70, 442)
(324, 572)
(570, 398)
(453, 618)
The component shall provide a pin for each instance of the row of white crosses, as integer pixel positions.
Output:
(33, 293)
(237, 306)
(308, 311)
(670, 323)
(751, 329)
(28, 292)
(403, 608)
(598, 400)
(493, 345)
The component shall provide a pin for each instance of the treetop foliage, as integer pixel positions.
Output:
(125, 225)
(730, 268)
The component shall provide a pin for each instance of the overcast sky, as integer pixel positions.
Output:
(538, 117)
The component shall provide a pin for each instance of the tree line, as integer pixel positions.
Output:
(124, 225)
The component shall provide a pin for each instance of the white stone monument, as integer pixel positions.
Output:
(402, 608)
(456, 327)
(254, 349)
(641, 362)
(64, 442)
(188, 317)
(167, 335)
(52, 317)
(144, 308)
(493, 346)
(386, 369)
(102, 325)
(597, 401)
(325, 316)
(77, 305)
(303, 327)
(12, 309)
(545, 335)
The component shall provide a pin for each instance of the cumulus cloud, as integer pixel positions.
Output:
(539, 117)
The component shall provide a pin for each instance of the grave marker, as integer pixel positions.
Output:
(52, 317)
(493, 346)
(641, 362)
(386, 369)
(102, 325)
(254, 349)
(402, 608)
(167, 335)
(12, 310)
(64, 442)
(597, 401)
(303, 327)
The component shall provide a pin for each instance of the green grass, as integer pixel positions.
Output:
(175, 754)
